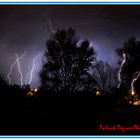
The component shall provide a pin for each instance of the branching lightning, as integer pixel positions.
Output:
(29, 76)
(120, 69)
(32, 69)
(11, 67)
(19, 69)
(136, 76)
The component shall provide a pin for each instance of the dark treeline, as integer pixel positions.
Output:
(77, 92)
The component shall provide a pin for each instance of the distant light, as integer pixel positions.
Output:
(98, 93)
(32, 92)
(130, 102)
(132, 92)
(35, 89)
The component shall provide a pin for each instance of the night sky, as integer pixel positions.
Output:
(26, 28)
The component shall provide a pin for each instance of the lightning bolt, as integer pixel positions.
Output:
(136, 76)
(120, 69)
(19, 68)
(30, 74)
(11, 67)
(32, 69)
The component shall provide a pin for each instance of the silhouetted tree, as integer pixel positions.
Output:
(131, 48)
(66, 62)
(90, 83)
(105, 76)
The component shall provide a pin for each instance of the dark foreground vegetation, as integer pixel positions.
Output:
(47, 113)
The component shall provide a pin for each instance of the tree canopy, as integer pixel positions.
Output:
(67, 63)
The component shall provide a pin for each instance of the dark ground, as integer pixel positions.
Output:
(63, 114)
